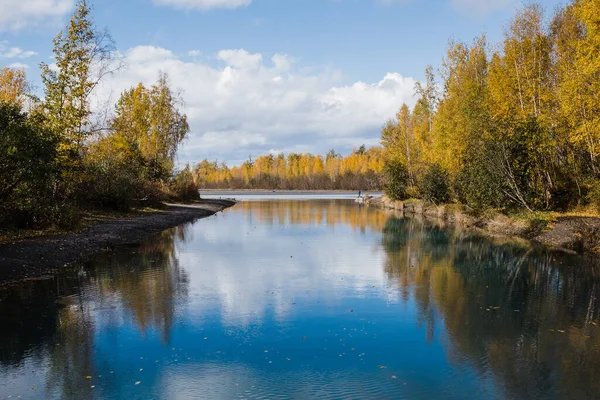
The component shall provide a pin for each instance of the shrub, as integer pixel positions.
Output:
(435, 185)
(396, 180)
(183, 187)
(593, 195)
(113, 176)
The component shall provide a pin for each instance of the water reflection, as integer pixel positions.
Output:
(308, 299)
(525, 315)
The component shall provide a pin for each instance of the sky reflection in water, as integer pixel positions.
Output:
(307, 299)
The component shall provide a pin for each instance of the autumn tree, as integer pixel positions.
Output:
(576, 29)
(462, 118)
(14, 86)
(522, 105)
(149, 120)
(398, 139)
(424, 112)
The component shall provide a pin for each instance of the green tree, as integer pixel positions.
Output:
(83, 56)
(27, 154)
(396, 180)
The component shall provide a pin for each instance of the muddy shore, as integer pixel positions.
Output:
(45, 255)
(574, 234)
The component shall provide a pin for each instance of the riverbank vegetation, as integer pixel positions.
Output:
(362, 169)
(517, 128)
(58, 158)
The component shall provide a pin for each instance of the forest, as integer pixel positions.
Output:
(507, 126)
(359, 170)
(57, 158)
(517, 128)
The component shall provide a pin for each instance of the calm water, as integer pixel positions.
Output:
(307, 299)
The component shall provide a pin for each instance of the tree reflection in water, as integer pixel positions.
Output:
(53, 321)
(527, 315)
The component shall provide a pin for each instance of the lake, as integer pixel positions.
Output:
(308, 298)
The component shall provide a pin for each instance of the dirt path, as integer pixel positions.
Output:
(43, 255)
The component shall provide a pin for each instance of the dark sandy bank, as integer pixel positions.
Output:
(38, 256)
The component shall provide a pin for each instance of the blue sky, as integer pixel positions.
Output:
(268, 75)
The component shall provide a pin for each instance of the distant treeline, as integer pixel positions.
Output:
(514, 128)
(56, 160)
(360, 170)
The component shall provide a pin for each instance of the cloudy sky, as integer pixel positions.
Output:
(262, 76)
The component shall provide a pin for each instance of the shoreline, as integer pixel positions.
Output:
(45, 255)
(280, 192)
(568, 233)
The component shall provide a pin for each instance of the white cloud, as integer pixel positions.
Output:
(247, 105)
(18, 14)
(14, 52)
(18, 66)
(240, 58)
(194, 53)
(203, 4)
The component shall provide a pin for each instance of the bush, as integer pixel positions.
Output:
(593, 195)
(183, 187)
(435, 185)
(477, 186)
(396, 180)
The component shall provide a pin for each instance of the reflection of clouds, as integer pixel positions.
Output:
(241, 268)
(218, 381)
(25, 380)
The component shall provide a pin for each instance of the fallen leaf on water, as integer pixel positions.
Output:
(393, 376)
(381, 366)
(138, 382)
(561, 331)
(88, 377)
(92, 386)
